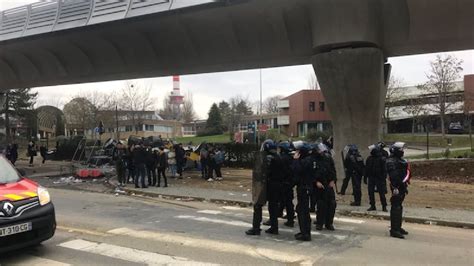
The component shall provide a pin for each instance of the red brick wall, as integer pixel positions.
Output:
(299, 109)
(469, 93)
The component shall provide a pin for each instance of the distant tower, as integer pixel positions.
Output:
(176, 99)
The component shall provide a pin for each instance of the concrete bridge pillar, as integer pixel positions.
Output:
(353, 84)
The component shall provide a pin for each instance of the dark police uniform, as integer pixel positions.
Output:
(354, 164)
(399, 175)
(376, 173)
(273, 166)
(325, 173)
(303, 169)
(287, 193)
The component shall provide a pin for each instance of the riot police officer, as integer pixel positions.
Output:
(304, 179)
(354, 166)
(271, 173)
(288, 183)
(399, 174)
(376, 173)
(325, 174)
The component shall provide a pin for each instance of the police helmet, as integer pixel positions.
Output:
(353, 149)
(297, 144)
(397, 149)
(284, 146)
(381, 144)
(268, 145)
(304, 149)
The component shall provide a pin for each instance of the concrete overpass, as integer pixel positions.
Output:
(347, 41)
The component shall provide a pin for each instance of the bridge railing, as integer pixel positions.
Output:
(57, 15)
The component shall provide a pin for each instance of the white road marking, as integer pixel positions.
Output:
(215, 245)
(248, 225)
(348, 220)
(127, 254)
(210, 212)
(27, 260)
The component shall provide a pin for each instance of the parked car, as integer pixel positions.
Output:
(455, 128)
(26, 212)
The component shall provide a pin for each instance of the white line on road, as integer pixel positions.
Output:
(210, 212)
(248, 225)
(127, 254)
(28, 260)
(348, 220)
(215, 245)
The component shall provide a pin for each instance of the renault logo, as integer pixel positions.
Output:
(8, 208)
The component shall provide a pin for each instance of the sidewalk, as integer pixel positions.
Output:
(445, 217)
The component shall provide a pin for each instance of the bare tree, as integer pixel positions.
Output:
(168, 112)
(313, 83)
(135, 98)
(444, 72)
(394, 92)
(270, 105)
(416, 109)
(188, 113)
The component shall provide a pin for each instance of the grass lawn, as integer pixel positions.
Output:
(457, 141)
(210, 139)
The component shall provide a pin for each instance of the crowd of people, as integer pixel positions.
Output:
(311, 169)
(211, 160)
(145, 166)
(11, 152)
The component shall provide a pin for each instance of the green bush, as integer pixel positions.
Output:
(314, 135)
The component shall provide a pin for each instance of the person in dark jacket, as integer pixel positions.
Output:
(32, 151)
(304, 174)
(354, 166)
(162, 165)
(151, 162)
(120, 157)
(399, 174)
(219, 159)
(272, 174)
(139, 161)
(204, 160)
(180, 159)
(376, 175)
(130, 166)
(325, 175)
(288, 184)
(43, 153)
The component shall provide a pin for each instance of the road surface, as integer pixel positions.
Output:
(103, 229)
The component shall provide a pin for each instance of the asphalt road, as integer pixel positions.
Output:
(102, 229)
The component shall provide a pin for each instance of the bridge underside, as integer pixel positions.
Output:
(233, 35)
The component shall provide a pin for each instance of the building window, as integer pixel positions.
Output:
(312, 106)
(322, 106)
(149, 128)
(128, 128)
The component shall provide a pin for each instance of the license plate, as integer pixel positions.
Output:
(15, 229)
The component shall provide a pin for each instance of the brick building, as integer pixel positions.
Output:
(303, 112)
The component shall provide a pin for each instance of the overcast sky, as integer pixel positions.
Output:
(215, 87)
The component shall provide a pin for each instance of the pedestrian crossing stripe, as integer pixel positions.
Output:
(218, 246)
(127, 254)
(37, 261)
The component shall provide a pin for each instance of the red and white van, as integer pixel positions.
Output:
(26, 212)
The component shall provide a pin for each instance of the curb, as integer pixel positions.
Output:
(412, 219)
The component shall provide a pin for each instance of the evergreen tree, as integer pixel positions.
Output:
(214, 121)
(226, 112)
(20, 102)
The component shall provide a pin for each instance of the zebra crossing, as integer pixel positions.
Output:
(225, 217)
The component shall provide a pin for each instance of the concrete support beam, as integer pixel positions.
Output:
(352, 81)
